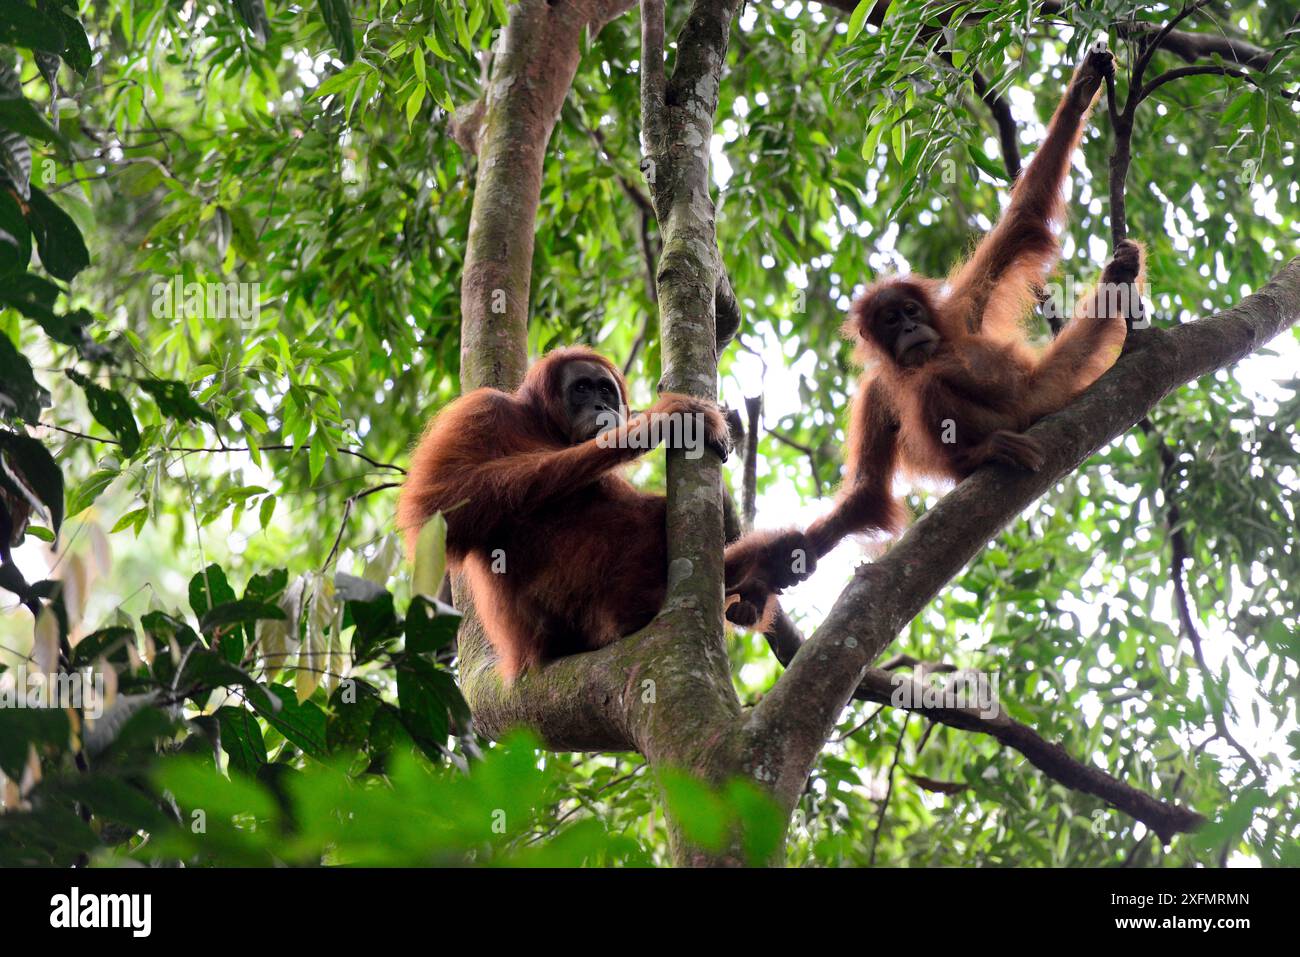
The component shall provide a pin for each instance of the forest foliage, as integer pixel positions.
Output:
(231, 239)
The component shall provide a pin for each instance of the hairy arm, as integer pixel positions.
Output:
(484, 461)
(1022, 247)
(866, 502)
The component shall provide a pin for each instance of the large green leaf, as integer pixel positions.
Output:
(430, 557)
(15, 236)
(58, 240)
(208, 589)
(20, 394)
(28, 463)
(76, 46)
(112, 411)
(34, 296)
(241, 739)
(430, 625)
(22, 25)
(240, 612)
(15, 163)
(175, 402)
(376, 623)
(303, 724)
(429, 701)
(18, 115)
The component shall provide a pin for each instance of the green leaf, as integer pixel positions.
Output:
(337, 15)
(109, 643)
(413, 104)
(425, 696)
(20, 116)
(205, 670)
(352, 709)
(58, 240)
(985, 162)
(1236, 110)
(376, 623)
(20, 394)
(16, 163)
(27, 466)
(702, 814)
(462, 29)
(266, 510)
(208, 589)
(430, 625)
(268, 586)
(175, 402)
(303, 724)
(84, 495)
(317, 454)
(253, 13)
(111, 410)
(22, 25)
(34, 296)
(430, 557)
(431, 41)
(110, 799)
(21, 728)
(241, 739)
(76, 50)
(858, 20)
(243, 233)
(240, 612)
(15, 235)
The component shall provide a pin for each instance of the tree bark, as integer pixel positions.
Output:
(666, 691)
(677, 118)
(793, 721)
(536, 58)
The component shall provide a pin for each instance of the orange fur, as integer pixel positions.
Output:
(982, 384)
(561, 553)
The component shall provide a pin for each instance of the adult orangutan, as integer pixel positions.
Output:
(561, 552)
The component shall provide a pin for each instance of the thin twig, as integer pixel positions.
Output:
(347, 510)
(889, 791)
(284, 447)
(807, 450)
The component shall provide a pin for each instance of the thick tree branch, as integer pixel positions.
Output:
(725, 305)
(532, 71)
(1189, 46)
(677, 118)
(665, 691)
(878, 686)
(677, 122)
(1204, 70)
(789, 726)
